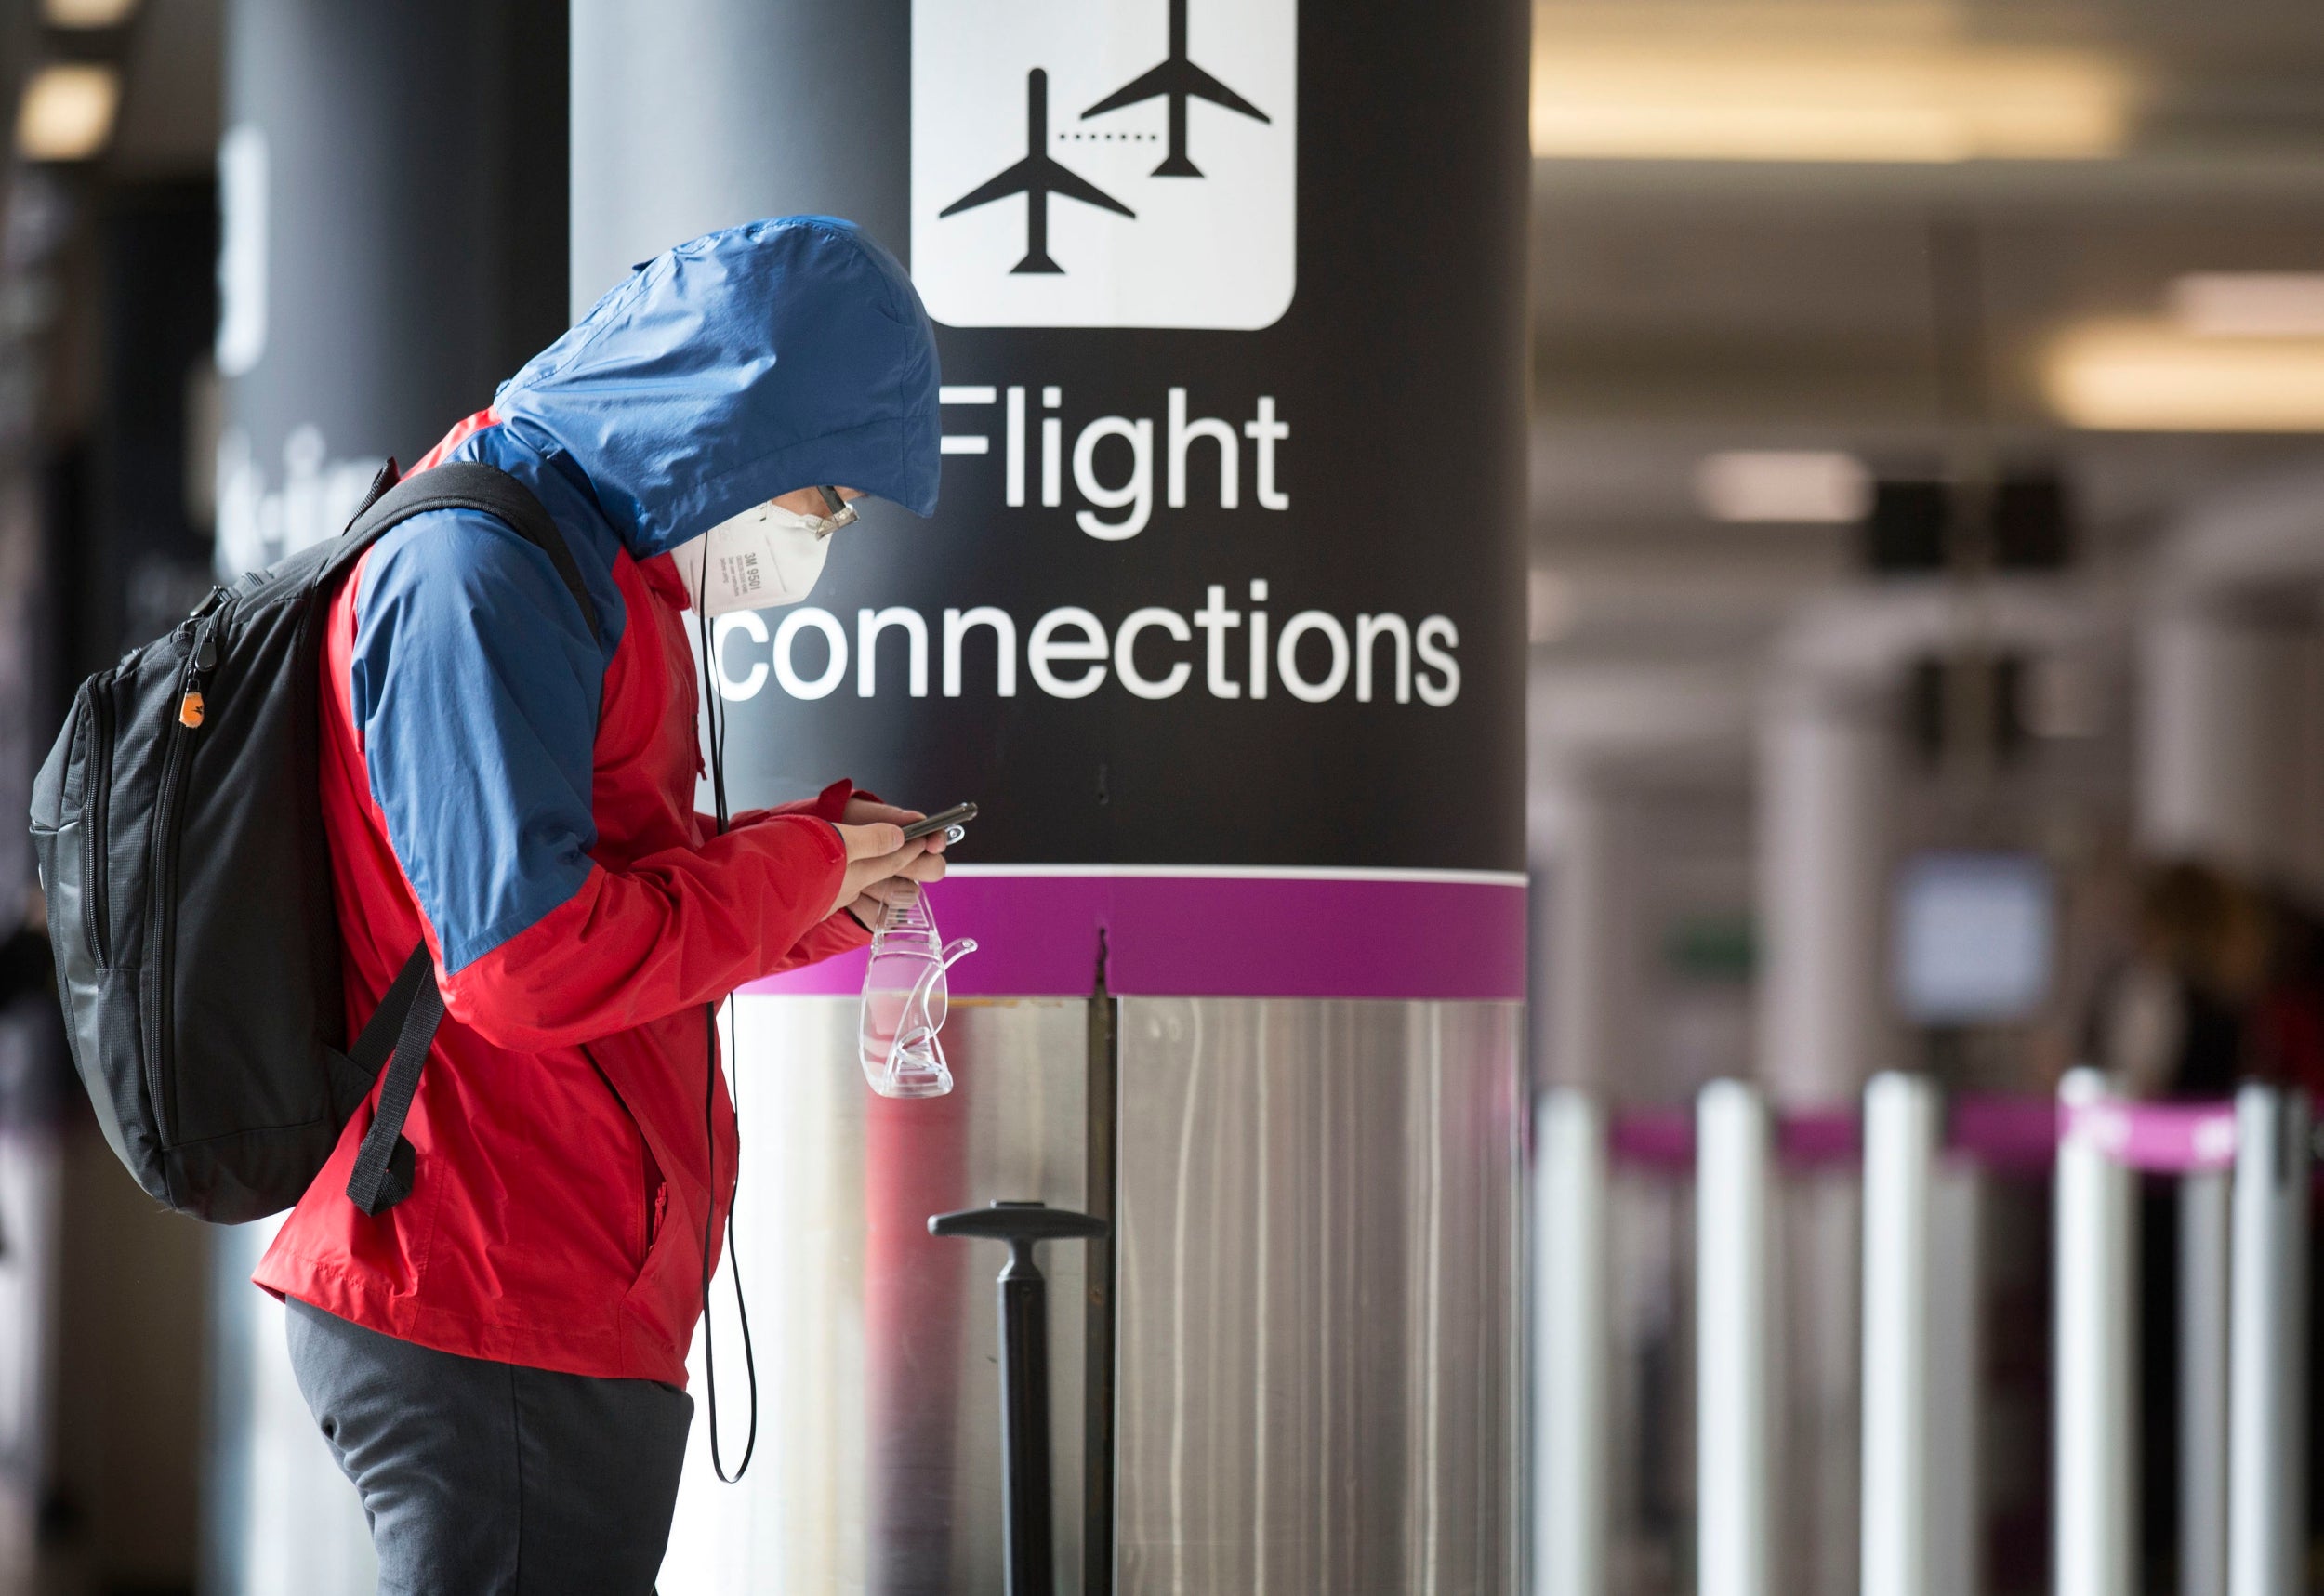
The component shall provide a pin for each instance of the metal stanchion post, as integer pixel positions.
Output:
(1022, 1293)
(2092, 1368)
(2268, 1395)
(1735, 1369)
(2203, 1297)
(1900, 1138)
(1570, 1371)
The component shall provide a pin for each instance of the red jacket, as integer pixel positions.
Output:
(556, 1219)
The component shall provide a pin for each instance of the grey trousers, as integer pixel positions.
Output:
(485, 1478)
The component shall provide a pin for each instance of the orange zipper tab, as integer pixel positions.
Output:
(190, 710)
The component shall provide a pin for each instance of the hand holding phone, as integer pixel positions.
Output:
(952, 822)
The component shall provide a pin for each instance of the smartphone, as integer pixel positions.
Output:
(949, 821)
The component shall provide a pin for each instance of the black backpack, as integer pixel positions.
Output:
(179, 823)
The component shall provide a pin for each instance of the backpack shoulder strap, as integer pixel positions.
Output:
(471, 484)
(400, 1030)
(405, 1021)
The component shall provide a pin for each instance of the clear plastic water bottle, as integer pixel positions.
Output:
(904, 1000)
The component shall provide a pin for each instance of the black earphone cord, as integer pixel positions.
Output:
(715, 715)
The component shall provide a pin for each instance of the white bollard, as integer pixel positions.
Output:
(2267, 1388)
(1735, 1369)
(1900, 1138)
(1570, 1369)
(2204, 1299)
(2094, 1365)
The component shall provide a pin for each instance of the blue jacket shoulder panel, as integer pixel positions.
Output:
(566, 493)
(475, 685)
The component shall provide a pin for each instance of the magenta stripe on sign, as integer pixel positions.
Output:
(1220, 936)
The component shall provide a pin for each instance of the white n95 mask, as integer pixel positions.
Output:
(761, 559)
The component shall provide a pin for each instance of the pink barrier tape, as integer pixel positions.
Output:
(2001, 1133)
(1816, 1137)
(1657, 1138)
(2163, 1137)
(2017, 1133)
(1664, 1137)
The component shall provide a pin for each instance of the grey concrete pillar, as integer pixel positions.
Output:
(392, 231)
(2231, 735)
(1824, 772)
(393, 218)
(1596, 953)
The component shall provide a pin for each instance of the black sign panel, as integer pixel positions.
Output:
(1202, 595)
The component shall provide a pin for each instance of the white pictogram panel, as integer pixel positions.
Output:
(1105, 163)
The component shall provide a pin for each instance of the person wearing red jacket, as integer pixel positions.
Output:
(498, 1360)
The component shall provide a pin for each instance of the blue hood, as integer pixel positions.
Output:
(739, 365)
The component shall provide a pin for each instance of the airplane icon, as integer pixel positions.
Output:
(1179, 78)
(1037, 178)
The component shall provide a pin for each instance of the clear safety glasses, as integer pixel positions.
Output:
(906, 998)
(838, 513)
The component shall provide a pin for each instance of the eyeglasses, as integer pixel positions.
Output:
(841, 513)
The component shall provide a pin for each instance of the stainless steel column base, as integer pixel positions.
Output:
(1319, 1345)
(878, 1460)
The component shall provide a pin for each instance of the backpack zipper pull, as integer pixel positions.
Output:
(191, 708)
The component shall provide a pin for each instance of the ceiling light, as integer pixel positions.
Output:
(87, 13)
(2249, 304)
(67, 111)
(2145, 377)
(1647, 97)
(1783, 485)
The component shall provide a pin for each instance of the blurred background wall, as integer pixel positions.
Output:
(1925, 627)
(1927, 662)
